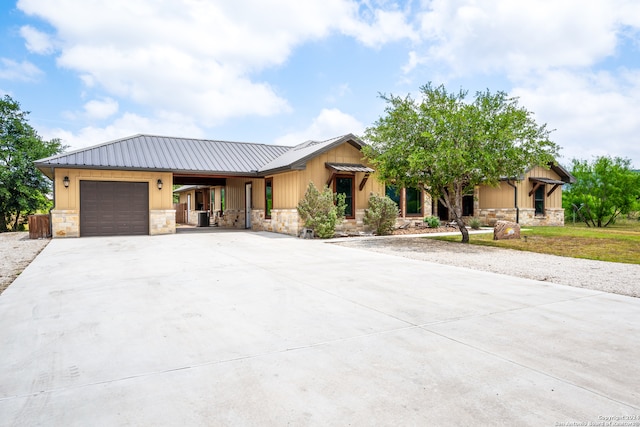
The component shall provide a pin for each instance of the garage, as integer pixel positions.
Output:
(114, 208)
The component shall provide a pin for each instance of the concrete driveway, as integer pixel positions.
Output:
(242, 328)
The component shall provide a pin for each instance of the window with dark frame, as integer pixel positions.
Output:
(344, 185)
(467, 205)
(538, 200)
(268, 197)
(393, 193)
(413, 204)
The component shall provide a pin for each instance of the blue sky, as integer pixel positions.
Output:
(286, 71)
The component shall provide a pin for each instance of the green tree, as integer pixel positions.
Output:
(604, 189)
(449, 145)
(23, 188)
(321, 210)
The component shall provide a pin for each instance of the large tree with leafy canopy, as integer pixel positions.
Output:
(23, 188)
(449, 145)
(604, 189)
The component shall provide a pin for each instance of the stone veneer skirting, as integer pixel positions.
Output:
(162, 221)
(287, 221)
(527, 216)
(65, 223)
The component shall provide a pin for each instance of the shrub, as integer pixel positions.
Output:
(432, 221)
(474, 223)
(381, 215)
(319, 212)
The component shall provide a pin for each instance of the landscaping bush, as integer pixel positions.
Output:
(432, 221)
(381, 214)
(320, 211)
(474, 223)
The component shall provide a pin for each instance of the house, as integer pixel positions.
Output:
(125, 187)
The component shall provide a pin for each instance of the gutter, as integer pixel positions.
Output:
(515, 200)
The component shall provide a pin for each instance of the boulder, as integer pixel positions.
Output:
(506, 230)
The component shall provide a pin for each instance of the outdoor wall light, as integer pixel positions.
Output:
(65, 181)
(159, 184)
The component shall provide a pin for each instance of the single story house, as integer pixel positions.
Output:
(125, 187)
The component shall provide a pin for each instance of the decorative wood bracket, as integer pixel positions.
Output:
(364, 181)
(533, 190)
(333, 175)
(553, 189)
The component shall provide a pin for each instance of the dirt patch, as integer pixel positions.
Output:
(16, 252)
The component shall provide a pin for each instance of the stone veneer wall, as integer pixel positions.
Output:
(527, 216)
(162, 221)
(232, 219)
(65, 223)
(285, 221)
(352, 226)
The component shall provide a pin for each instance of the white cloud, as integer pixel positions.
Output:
(37, 41)
(101, 109)
(518, 37)
(199, 58)
(328, 124)
(23, 71)
(594, 113)
(128, 124)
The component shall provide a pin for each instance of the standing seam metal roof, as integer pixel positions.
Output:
(171, 154)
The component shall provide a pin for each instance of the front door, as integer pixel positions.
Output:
(247, 205)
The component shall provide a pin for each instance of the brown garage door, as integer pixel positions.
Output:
(114, 208)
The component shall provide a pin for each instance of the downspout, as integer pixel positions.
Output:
(53, 206)
(515, 200)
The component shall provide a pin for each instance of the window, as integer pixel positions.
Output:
(467, 205)
(413, 197)
(344, 185)
(538, 200)
(393, 193)
(268, 197)
(213, 200)
(222, 201)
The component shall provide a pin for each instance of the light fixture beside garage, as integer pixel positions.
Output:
(159, 184)
(65, 181)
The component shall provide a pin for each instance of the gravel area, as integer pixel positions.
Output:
(16, 253)
(623, 279)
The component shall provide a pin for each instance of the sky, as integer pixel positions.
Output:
(286, 71)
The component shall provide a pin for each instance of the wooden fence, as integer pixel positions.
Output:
(39, 227)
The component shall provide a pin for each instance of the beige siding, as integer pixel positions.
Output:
(69, 198)
(551, 202)
(258, 193)
(502, 197)
(234, 193)
(496, 197)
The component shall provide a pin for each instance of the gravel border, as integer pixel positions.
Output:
(619, 278)
(16, 252)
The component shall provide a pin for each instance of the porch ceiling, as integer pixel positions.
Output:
(198, 180)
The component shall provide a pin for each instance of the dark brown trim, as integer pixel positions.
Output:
(353, 192)
(267, 212)
(364, 181)
(553, 189)
(404, 199)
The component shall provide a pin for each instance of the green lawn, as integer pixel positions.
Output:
(617, 243)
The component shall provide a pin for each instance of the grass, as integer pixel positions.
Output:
(619, 242)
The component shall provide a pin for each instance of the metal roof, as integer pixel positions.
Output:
(297, 157)
(185, 155)
(161, 153)
(349, 167)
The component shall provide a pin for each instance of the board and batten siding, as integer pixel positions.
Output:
(69, 198)
(502, 197)
(289, 187)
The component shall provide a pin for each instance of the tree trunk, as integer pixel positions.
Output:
(17, 222)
